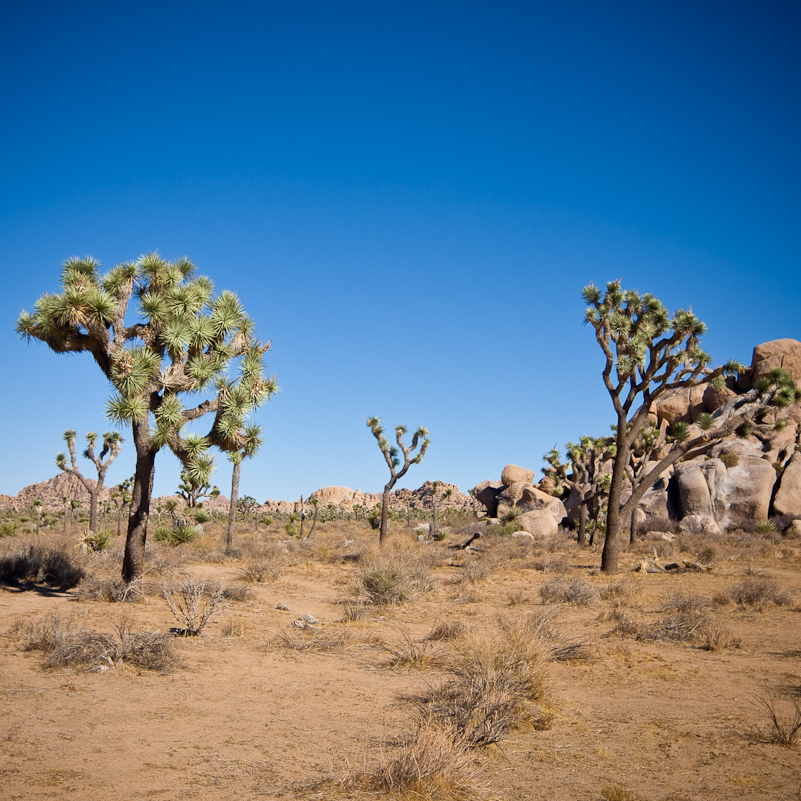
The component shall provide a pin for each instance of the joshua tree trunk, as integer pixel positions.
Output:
(384, 528)
(133, 563)
(302, 517)
(229, 538)
(582, 532)
(614, 524)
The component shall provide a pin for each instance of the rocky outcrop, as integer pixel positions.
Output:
(788, 496)
(542, 512)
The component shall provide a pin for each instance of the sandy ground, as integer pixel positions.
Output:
(245, 717)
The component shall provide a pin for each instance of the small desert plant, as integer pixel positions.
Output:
(109, 588)
(353, 609)
(575, 592)
(312, 639)
(616, 792)
(237, 592)
(684, 603)
(193, 602)
(730, 459)
(393, 579)
(7, 528)
(512, 515)
(784, 725)
(765, 527)
(95, 541)
(447, 630)
(232, 628)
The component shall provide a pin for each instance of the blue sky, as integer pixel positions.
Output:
(408, 198)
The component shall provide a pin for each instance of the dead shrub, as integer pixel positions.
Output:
(558, 648)
(625, 624)
(66, 644)
(680, 627)
(713, 636)
(394, 579)
(575, 592)
(784, 719)
(111, 589)
(615, 591)
(232, 628)
(193, 602)
(686, 603)
(431, 764)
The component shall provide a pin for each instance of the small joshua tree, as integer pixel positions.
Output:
(249, 440)
(419, 443)
(648, 353)
(112, 443)
(194, 490)
(583, 473)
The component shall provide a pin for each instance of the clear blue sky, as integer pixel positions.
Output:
(408, 198)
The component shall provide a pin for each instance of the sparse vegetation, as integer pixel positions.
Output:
(393, 579)
(784, 719)
(193, 602)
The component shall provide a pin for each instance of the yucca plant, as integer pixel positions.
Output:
(180, 349)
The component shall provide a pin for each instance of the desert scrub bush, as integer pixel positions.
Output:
(783, 720)
(237, 592)
(353, 609)
(66, 644)
(765, 527)
(40, 564)
(575, 592)
(686, 603)
(430, 765)
(193, 603)
(7, 528)
(393, 579)
(755, 592)
(232, 628)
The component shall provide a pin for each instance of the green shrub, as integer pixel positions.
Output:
(40, 564)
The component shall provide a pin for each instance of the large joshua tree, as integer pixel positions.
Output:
(180, 348)
(391, 455)
(648, 353)
(112, 444)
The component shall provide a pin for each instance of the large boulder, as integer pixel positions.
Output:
(339, 496)
(530, 499)
(784, 353)
(487, 493)
(512, 474)
(540, 523)
(713, 399)
(682, 405)
(735, 497)
(699, 524)
(788, 498)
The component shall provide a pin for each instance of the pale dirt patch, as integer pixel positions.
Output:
(247, 719)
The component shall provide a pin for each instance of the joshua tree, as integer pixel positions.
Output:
(419, 440)
(121, 496)
(646, 354)
(249, 440)
(112, 443)
(183, 346)
(37, 509)
(194, 490)
(583, 474)
(315, 502)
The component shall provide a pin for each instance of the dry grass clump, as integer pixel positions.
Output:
(755, 592)
(496, 685)
(784, 720)
(353, 609)
(540, 627)
(66, 644)
(393, 579)
(237, 592)
(40, 564)
(313, 640)
(447, 630)
(686, 603)
(428, 765)
(409, 653)
(232, 628)
(575, 592)
(556, 564)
